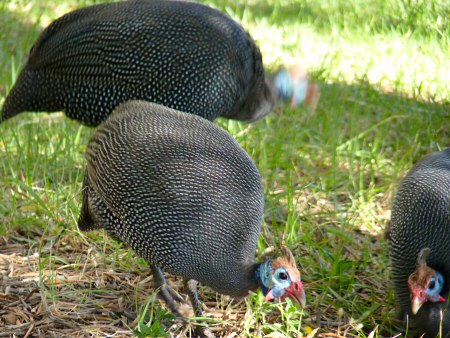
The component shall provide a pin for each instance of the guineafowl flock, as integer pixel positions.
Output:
(165, 180)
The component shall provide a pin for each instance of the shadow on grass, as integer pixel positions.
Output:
(350, 118)
(405, 119)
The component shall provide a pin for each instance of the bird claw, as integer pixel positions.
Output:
(168, 294)
(175, 295)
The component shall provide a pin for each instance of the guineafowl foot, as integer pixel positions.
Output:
(192, 285)
(165, 291)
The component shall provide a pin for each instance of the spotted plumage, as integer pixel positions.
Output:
(419, 244)
(180, 54)
(185, 196)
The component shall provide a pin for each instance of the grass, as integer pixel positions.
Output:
(329, 176)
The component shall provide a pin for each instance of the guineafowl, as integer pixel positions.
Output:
(184, 195)
(180, 54)
(419, 245)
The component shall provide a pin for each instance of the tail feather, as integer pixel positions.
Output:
(15, 102)
(30, 93)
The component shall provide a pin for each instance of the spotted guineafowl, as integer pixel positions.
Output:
(180, 54)
(184, 195)
(419, 245)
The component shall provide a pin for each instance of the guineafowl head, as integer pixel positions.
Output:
(292, 85)
(425, 284)
(279, 278)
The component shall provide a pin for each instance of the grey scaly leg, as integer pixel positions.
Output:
(165, 291)
(191, 286)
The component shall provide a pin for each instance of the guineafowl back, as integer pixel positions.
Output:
(179, 190)
(183, 55)
(421, 219)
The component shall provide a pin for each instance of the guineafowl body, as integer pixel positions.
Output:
(420, 226)
(185, 196)
(180, 54)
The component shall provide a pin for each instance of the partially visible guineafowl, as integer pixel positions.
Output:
(187, 198)
(419, 243)
(180, 54)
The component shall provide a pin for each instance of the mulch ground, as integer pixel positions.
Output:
(62, 287)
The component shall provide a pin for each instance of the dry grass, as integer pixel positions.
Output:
(73, 286)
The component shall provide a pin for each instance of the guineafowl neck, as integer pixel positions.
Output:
(262, 272)
(240, 280)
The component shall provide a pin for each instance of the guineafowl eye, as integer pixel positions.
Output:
(432, 283)
(435, 285)
(282, 275)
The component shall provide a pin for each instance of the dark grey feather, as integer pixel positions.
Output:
(180, 54)
(179, 190)
(421, 219)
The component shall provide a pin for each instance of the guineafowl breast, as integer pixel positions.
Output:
(180, 191)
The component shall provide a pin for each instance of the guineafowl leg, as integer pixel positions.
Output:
(165, 291)
(191, 285)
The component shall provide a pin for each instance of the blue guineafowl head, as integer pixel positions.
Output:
(289, 88)
(425, 283)
(280, 278)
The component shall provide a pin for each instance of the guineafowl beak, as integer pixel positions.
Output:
(419, 298)
(417, 302)
(294, 291)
